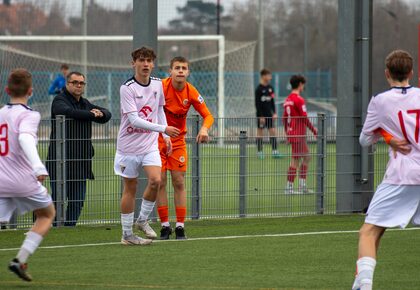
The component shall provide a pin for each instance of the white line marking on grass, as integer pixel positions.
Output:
(217, 238)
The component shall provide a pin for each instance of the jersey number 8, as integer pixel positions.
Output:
(4, 141)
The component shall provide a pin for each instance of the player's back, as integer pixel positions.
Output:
(294, 115)
(398, 111)
(16, 174)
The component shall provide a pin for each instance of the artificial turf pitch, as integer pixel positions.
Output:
(324, 260)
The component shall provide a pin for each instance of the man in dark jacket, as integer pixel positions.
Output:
(79, 150)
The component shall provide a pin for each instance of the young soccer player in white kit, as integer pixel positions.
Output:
(21, 169)
(142, 119)
(397, 199)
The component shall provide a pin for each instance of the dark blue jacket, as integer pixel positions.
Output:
(57, 85)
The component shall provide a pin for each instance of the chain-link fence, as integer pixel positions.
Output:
(227, 181)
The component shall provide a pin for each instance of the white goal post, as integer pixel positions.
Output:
(116, 38)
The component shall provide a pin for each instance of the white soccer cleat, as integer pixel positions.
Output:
(146, 229)
(133, 240)
(361, 285)
(289, 188)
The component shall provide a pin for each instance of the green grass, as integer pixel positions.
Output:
(288, 262)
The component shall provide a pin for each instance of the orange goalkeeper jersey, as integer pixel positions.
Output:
(178, 103)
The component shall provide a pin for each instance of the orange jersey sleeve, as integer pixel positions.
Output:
(387, 137)
(200, 106)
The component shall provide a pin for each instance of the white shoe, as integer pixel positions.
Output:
(146, 229)
(303, 189)
(361, 285)
(289, 188)
(133, 240)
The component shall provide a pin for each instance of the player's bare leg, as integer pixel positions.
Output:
(260, 135)
(44, 219)
(291, 175)
(128, 200)
(163, 208)
(369, 238)
(153, 174)
(303, 169)
(273, 140)
(180, 198)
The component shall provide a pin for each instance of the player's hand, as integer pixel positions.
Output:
(97, 113)
(172, 131)
(203, 136)
(168, 146)
(315, 132)
(275, 116)
(41, 178)
(262, 122)
(402, 146)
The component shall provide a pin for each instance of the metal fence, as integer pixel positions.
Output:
(225, 178)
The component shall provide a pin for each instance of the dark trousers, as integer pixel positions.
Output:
(76, 193)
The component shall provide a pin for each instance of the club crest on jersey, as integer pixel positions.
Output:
(185, 102)
(145, 110)
(182, 159)
(200, 99)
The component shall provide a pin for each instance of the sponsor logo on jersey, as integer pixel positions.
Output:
(200, 99)
(139, 97)
(181, 159)
(155, 94)
(265, 98)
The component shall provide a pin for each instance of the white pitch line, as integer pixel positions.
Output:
(215, 238)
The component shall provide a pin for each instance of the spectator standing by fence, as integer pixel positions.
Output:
(79, 150)
(266, 113)
(59, 82)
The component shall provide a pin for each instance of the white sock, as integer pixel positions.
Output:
(165, 224)
(180, 225)
(145, 211)
(365, 269)
(29, 246)
(302, 182)
(127, 223)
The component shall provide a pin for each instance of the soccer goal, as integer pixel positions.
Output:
(221, 70)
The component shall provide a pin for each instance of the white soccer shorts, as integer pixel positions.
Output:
(128, 165)
(394, 206)
(23, 204)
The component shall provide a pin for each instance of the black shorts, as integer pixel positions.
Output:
(267, 124)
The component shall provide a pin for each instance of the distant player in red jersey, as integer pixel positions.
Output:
(295, 120)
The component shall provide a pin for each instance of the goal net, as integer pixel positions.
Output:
(221, 70)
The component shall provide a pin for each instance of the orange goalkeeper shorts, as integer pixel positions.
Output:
(178, 160)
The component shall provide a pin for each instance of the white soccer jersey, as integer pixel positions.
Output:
(17, 178)
(145, 100)
(397, 111)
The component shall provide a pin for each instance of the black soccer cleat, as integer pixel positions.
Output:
(20, 269)
(165, 232)
(180, 233)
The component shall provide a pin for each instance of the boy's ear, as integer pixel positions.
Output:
(410, 75)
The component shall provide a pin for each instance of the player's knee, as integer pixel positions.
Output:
(370, 231)
(154, 182)
(178, 183)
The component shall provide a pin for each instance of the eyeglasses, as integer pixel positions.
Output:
(77, 83)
